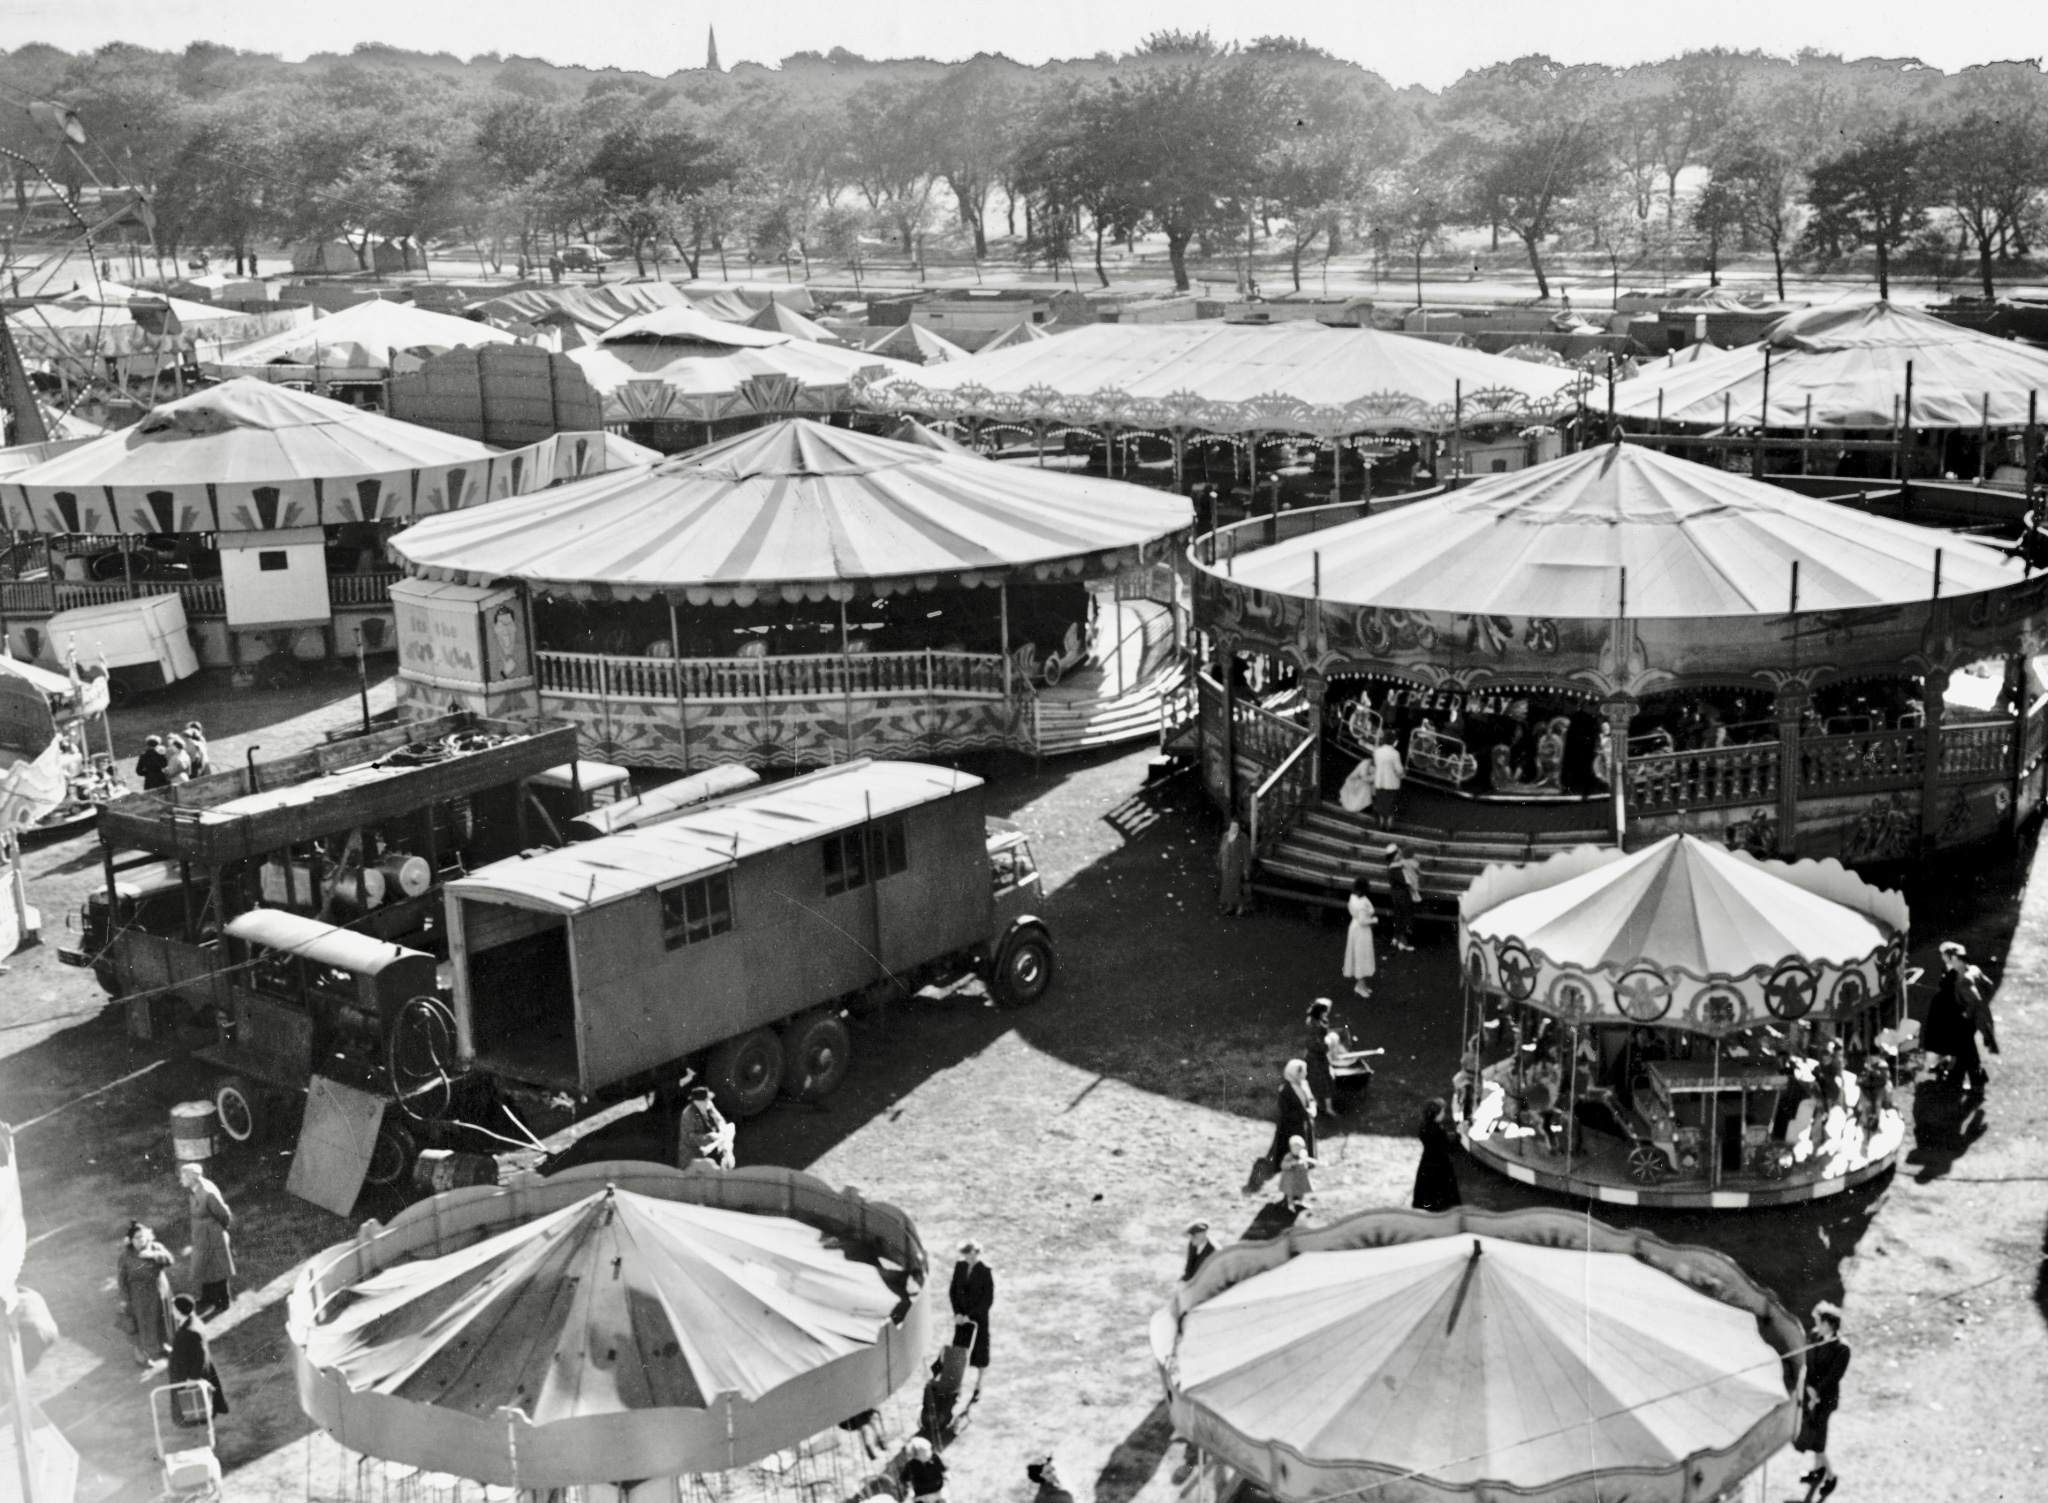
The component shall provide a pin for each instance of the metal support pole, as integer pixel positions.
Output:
(1756, 452)
(846, 679)
(675, 651)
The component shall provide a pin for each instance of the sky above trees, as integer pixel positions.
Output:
(1404, 43)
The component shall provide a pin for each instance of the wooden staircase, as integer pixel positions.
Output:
(1317, 859)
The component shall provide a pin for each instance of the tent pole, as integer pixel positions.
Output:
(1179, 458)
(1984, 440)
(1003, 620)
(1763, 413)
(1714, 1122)
(1806, 433)
(675, 651)
(846, 677)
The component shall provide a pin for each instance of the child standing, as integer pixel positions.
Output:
(1296, 1184)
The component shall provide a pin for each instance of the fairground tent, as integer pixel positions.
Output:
(247, 456)
(737, 300)
(915, 343)
(1018, 333)
(688, 325)
(1554, 540)
(1844, 366)
(78, 332)
(356, 344)
(803, 509)
(1683, 934)
(628, 1323)
(581, 313)
(779, 319)
(696, 381)
(1534, 1354)
(1235, 378)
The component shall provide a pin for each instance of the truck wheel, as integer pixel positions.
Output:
(817, 1051)
(391, 1155)
(1024, 969)
(745, 1073)
(239, 1110)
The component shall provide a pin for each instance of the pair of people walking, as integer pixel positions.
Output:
(170, 1328)
(1404, 890)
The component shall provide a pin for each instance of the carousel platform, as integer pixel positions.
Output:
(1317, 858)
(1134, 685)
(1827, 1158)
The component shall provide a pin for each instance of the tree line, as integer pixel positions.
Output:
(1272, 149)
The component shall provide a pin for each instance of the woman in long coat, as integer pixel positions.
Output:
(213, 1256)
(1359, 962)
(191, 1357)
(1436, 1177)
(973, 1295)
(1233, 870)
(1294, 1114)
(143, 1272)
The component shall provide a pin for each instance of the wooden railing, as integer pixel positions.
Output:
(1976, 751)
(1873, 762)
(1287, 790)
(1716, 778)
(591, 675)
(1263, 738)
(203, 597)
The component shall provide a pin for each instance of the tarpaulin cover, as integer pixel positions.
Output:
(1233, 378)
(611, 1322)
(751, 295)
(803, 507)
(1682, 933)
(590, 309)
(354, 344)
(1850, 360)
(246, 456)
(1553, 540)
(1428, 1364)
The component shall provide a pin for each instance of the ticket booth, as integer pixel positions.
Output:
(462, 647)
(275, 586)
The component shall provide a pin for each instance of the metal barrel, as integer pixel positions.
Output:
(192, 1125)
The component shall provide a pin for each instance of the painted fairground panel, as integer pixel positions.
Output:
(417, 701)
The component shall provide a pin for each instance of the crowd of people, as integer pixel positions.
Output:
(178, 757)
(167, 1329)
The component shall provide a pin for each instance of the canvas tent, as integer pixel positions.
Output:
(738, 299)
(798, 507)
(247, 456)
(1844, 366)
(1558, 539)
(1019, 333)
(1235, 378)
(913, 342)
(581, 313)
(614, 1322)
(778, 318)
(1532, 1354)
(325, 257)
(356, 344)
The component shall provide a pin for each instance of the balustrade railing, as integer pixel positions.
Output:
(1976, 751)
(1263, 738)
(360, 589)
(1286, 791)
(1719, 777)
(593, 675)
(1879, 761)
(203, 597)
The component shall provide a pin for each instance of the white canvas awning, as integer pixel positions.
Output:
(356, 344)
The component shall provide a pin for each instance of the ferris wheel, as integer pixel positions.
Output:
(69, 346)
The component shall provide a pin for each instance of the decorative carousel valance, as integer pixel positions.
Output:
(1682, 935)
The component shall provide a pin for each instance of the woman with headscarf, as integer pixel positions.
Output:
(143, 1272)
(1295, 1112)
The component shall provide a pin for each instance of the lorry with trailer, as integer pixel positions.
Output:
(732, 938)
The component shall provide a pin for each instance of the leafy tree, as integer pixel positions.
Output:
(969, 114)
(1990, 165)
(1765, 189)
(1875, 191)
(1334, 140)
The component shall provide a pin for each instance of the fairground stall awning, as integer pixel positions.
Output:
(1235, 378)
(1569, 537)
(614, 1322)
(356, 344)
(654, 381)
(246, 456)
(805, 510)
(1535, 1354)
(1682, 934)
(81, 330)
(1844, 366)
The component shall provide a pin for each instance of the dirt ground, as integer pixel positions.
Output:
(1075, 1140)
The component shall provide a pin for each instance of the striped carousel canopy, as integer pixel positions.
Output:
(804, 509)
(1683, 934)
(1844, 366)
(248, 456)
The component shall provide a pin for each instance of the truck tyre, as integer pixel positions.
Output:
(391, 1155)
(1023, 969)
(817, 1050)
(745, 1073)
(240, 1110)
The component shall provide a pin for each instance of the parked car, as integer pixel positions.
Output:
(584, 258)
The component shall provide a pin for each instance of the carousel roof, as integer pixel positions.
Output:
(649, 379)
(358, 339)
(1468, 1352)
(246, 455)
(1850, 359)
(800, 507)
(623, 1323)
(1715, 939)
(1553, 540)
(1298, 377)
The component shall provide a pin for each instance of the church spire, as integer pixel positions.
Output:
(711, 49)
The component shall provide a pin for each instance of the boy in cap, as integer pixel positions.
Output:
(1961, 1010)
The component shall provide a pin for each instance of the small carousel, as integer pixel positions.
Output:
(1684, 1026)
